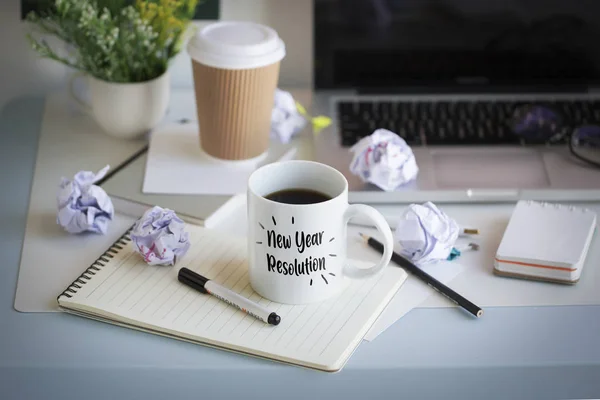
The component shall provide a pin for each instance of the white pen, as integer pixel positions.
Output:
(393, 220)
(205, 285)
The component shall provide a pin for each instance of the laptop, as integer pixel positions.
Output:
(447, 76)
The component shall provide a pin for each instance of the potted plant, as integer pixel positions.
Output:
(124, 48)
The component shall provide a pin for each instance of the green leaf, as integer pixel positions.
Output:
(87, 27)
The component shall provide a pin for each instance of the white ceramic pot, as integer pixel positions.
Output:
(127, 110)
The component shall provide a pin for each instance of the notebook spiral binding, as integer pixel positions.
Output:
(96, 265)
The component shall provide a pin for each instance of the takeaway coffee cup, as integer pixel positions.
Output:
(236, 69)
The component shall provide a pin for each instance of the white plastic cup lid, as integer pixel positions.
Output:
(236, 45)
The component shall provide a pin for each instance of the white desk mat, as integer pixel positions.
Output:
(476, 282)
(69, 141)
(65, 133)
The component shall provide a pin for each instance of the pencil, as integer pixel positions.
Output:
(428, 279)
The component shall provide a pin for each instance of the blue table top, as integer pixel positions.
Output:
(520, 352)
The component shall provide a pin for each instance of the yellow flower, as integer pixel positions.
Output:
(319, 122)
(168, 19)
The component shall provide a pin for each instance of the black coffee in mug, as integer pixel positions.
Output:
(298, 196)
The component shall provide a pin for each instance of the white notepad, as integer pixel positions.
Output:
(121, 289)
(545, 241)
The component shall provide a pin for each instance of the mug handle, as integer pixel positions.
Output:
(381, 224)
(84, 105)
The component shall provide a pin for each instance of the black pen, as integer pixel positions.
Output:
(428, 279)
(205, 285)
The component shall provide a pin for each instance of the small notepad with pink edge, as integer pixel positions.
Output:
(546, 241)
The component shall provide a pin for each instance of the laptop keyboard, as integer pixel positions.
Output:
(450, 123)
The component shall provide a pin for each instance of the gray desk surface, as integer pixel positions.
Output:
(541, 352)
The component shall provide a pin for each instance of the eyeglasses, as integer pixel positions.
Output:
(543, 125)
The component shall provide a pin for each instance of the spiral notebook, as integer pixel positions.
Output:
(545, 241)
(119, 288)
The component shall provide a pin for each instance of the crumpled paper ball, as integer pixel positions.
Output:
(83, 206)
(384, 159)
(425, 233)
(536, 122)
(160, 237)
(286, 120)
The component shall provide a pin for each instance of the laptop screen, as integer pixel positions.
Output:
(383, 45)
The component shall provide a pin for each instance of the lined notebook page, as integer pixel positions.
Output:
(321, 335)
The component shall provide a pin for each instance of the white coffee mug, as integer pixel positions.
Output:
(297, 252)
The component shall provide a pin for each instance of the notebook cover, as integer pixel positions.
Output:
(546, 234)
